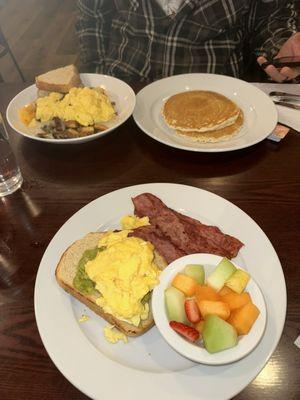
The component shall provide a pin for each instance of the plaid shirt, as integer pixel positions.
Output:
(136, 40)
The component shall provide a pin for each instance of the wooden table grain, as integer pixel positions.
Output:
(262, 180)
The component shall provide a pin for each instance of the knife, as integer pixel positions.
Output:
(289, 105)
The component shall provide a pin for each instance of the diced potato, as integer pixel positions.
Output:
(218, 308)
(100, 127)
(238, 281)
(27, 113)
(185, 283)
(71, 124)
(86, 130)
(243, 318)
(236, 300)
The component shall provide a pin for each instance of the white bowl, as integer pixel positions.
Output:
(117, 91)
(197, 352)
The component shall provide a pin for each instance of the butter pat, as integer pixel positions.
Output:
(279, 133)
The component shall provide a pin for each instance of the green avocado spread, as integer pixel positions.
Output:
(81, 280)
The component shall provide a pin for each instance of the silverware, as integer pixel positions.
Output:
(3, 130)
(289, 105)
(282, 96)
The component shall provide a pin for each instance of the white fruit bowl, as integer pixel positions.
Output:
(197, 352)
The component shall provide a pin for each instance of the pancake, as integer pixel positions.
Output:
(217, 135)
(200, 111)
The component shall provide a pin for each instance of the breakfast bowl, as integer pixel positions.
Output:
(197, 350)
(118, 92)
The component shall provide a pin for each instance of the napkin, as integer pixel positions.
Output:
(286, 116)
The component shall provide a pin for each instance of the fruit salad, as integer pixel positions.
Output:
(217, 309)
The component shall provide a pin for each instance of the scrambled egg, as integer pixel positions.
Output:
(113, 335)
(131, 222)
(124, 273)
(84, 105)
(83, 318)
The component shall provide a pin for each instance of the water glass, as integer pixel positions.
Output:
(10, 174)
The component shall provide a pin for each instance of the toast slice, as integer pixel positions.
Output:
(59, 80)
(66, 271)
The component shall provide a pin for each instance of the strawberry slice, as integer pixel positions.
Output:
(192, 311)
(188, 332)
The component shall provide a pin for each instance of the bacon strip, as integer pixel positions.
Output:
(186, 234)
(162, 244)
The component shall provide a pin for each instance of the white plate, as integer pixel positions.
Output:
(196, 352)
(147, 364)
(117, 91)
(259, 111)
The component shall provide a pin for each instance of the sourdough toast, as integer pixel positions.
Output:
(59, 80)
(66, 271)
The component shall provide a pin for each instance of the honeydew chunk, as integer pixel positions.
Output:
(238, 281)
(174, 302)
(195, 271)
(221, 274)
(218, 334)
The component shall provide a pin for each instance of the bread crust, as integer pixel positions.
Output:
(43, 84)
(65, 273)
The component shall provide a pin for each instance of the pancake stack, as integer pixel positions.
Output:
(203, 116)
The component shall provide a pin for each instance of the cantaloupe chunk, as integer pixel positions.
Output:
(238, 281)
(204, 292)
(235, 300)
(243, 318)
(225, 290)
(218, 308)
(199, 326)
(185, 283)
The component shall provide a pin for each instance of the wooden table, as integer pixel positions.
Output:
(262, 180)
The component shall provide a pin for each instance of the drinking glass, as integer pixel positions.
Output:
(10, 174)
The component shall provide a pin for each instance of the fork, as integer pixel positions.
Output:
(283, 96)
(289, 105)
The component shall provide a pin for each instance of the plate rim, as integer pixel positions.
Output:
(80, 139)
(156, 187)
(176, 145)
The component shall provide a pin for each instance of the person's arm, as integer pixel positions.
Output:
(270, 24)
(289, 48)
(92, 28)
